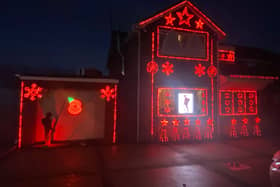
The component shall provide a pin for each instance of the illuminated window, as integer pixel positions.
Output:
(185, 44)
(182, 102)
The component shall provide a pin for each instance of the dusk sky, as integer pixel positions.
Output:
(71, 34)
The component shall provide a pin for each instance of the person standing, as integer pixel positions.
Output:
(47, 122)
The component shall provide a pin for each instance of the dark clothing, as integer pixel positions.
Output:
(47, 123)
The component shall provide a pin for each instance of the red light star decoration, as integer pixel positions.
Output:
(169, 19)
(152, 67)
(186, 122)
(175, 123)
(199, 70)
(199, 24)
(197, 122)
(209, 122)
(164, 122)
(108, 93)
(33, 92)
(233, 121)
(181, 17)
(167, 68)
(245, 121)
(212, 71)
(258, 120)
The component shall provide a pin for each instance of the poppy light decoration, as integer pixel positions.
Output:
(75, 106)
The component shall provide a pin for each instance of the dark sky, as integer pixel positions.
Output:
(70, 34)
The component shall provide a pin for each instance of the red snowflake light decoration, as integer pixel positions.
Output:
(169, 19)
(152, 67)
(199, 24)
(167, 68)
(108, 93)
(212, 71)
(33, 92)
(199, 70)
(183, 15)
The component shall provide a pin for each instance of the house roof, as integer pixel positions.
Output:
(245, 82)
(67, 79)
(181, 4)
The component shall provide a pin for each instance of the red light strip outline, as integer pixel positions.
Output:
(206, 18)
(184, 58)
(166, 115)
(145, 22)
(228, 52)
(245, 101)
(115, 115)
(20, 115)
(212, 82)
(152, 89)
(254, 77)
(238, 114)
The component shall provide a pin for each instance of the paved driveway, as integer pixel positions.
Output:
(194, 165)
